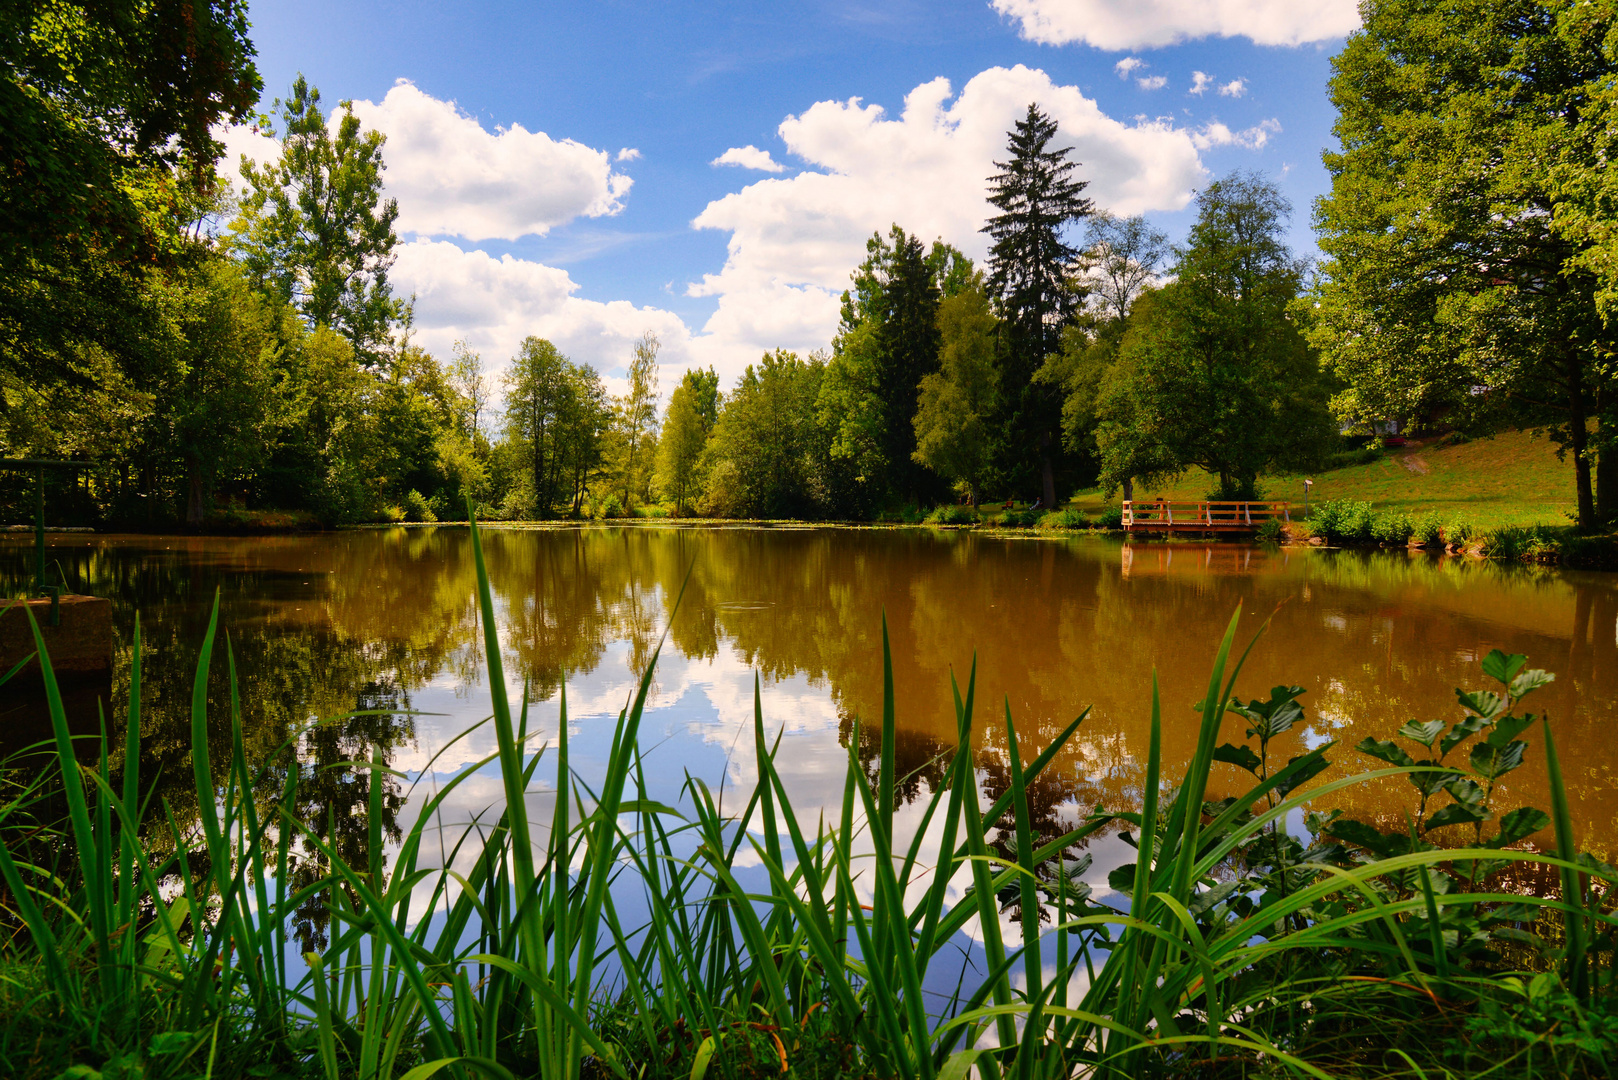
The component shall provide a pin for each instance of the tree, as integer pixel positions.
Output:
(466, 375)
(1029, 276)
(1215, 373)
(684, 437)
(1122, 257)
(315, 229)
(99, 100)
(889, 332)
(1463, 222)
(954, 417)
(635, 421)
(538, 408)
(758, 457)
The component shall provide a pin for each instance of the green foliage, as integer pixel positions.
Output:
(760, 457)
(417, 508)
(953, 515)
(693, 410)
(954, 430)
(1343, 521)
(1030, 267)
(1018, 519)
(1343, 459)
(1212, 372)
(1461, 226)
(1270, 531)
(1111, 517)
(1429, 531)
(556, 415)
(315, 229)
(1065, 519)
(1524, 543)
(632, 442)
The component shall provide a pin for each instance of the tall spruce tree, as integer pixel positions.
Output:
(1029, 271)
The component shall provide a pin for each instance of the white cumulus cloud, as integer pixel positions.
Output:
(1253, 138)
(1128, 64)
(793, 241)
(1153, 82)
(1234, 88)
(1138, 24)
(494, 303)
(453, 177)
(749, 157)
(1200, 81)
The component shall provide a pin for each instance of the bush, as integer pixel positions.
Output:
(1344, 459)
(952, 515)
(1429, 531)
(417, 508)
(393, 514)
(1393, 529)
(1459, 532)
(610, 507)
(1065, 519)
(1018, 519)
(1343, 521)
(1111, 517)
(1271, 531)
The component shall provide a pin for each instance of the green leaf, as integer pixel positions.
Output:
(1456, 814)
(172, 1042)
(1529, 681)
(1467, 792)
(1384, 750)
(1502, 668)
(1495, 763)
(1240, 756)
(1422, 731)
(1485, 703)
(705, 1052)
(1358, 833)
(1508, 728)
(1313, 768)
(1519, 824)
(1122, 878)
(1464, 728)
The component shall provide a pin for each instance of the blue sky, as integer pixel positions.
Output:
(522, 212)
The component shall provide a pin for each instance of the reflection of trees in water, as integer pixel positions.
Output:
(1055, 626)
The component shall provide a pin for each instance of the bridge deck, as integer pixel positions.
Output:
(1202, 516)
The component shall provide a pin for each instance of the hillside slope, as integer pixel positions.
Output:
(1508, 479)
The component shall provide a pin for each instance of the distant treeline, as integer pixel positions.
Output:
(218, 353)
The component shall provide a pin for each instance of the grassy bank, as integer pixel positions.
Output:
(622, 937)
(1509, 479)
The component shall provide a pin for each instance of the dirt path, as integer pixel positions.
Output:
(1414, 463)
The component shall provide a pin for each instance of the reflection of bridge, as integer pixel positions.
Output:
(1166, 559)
(1204, 516)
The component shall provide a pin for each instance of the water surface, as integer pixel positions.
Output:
(383, 623)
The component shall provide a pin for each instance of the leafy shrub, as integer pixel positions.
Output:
(953, 515)
(1018, 519)
(393, 513)
(1344, 459)
(1429, 531)
(1343, 521)
(1270, 531)
(652, 511)
(1457, 438)
(1065, 519)
(417, 508)
(1111, 517)
(610, 507)
(1459, 532)
(1392, 528)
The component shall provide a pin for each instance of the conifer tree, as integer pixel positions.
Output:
(1029, 270)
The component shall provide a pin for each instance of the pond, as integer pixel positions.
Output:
(383, 623)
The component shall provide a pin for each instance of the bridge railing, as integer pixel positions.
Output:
(1202, 515)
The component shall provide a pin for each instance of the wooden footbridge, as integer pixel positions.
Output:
(1159, 515)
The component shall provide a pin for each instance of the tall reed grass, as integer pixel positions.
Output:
(1231, 949)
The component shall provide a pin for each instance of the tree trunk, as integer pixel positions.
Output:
(1047, 474)
(1606, 493)
(1129, 489)
(194, 499)
(1579, 431)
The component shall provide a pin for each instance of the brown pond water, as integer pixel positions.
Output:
(384, 621)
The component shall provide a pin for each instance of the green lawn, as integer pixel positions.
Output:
(1509, 479)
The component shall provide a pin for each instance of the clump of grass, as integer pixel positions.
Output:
(1240, 948)
(1429, 531)
(955, 514)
